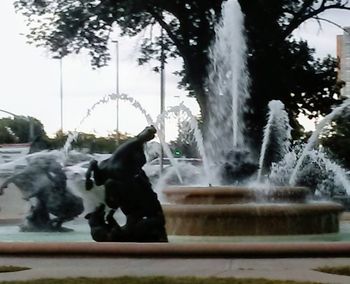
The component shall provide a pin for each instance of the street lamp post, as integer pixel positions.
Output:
(117, 83)
(61, 93)
(162, 96)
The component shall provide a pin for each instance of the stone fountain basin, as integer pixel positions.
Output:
(233, 194)
(234, 211)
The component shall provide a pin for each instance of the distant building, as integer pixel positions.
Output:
(343, 54)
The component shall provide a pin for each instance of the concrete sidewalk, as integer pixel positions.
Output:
(284, 269)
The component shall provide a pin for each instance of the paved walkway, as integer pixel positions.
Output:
(287, 269)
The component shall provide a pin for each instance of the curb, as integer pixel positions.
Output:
(210, 250)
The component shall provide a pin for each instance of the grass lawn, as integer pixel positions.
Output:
(155, 280)
(339, 270)
(10, 268)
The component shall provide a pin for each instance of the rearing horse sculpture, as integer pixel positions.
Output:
(44, 183)
(127, 187)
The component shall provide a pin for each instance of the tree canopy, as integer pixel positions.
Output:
(20, 129)
(280, 66)
(89, 142)
(337, 139)
(185, 145)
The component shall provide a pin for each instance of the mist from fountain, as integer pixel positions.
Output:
(177, 110)
(228, 82)
(314, 137)
(339, 172)
(124, 97)
(317, 171)
(276, 132)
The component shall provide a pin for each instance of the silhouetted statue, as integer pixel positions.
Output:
(127, 187)
(104, 230)
(44, 184)
(126, 161)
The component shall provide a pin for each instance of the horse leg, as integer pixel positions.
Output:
(38, 218)
(112, 196)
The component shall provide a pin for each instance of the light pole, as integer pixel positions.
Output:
(61, 92)
(117, 83)
(162, 95)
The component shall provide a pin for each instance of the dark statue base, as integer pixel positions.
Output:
(48, 229)
(106, 229)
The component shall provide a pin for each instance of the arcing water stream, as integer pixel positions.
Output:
(227, 84)
(312, 140)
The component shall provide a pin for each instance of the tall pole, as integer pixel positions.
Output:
(162, 95)
(31, 129)
(117, 84)
(61, 93)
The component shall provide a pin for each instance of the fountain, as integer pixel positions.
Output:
(254, 204)
(272, 206)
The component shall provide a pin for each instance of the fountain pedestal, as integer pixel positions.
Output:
(232, 211)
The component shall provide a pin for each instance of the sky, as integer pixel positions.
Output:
(30, 79)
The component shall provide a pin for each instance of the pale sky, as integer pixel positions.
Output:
(30, 79)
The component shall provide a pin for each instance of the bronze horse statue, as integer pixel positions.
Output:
(44, 183)
(127, 187)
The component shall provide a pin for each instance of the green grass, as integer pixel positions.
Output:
(339, 270)
(10, 268)
(155, 280)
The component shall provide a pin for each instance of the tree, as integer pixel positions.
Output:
(19, 129)
(89, 142)
(337, 139)
(283, 68)
(185, 144)
(280, 67)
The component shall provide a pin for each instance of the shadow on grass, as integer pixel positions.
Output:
(155, 280)
(339, 270)
(10, 268)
